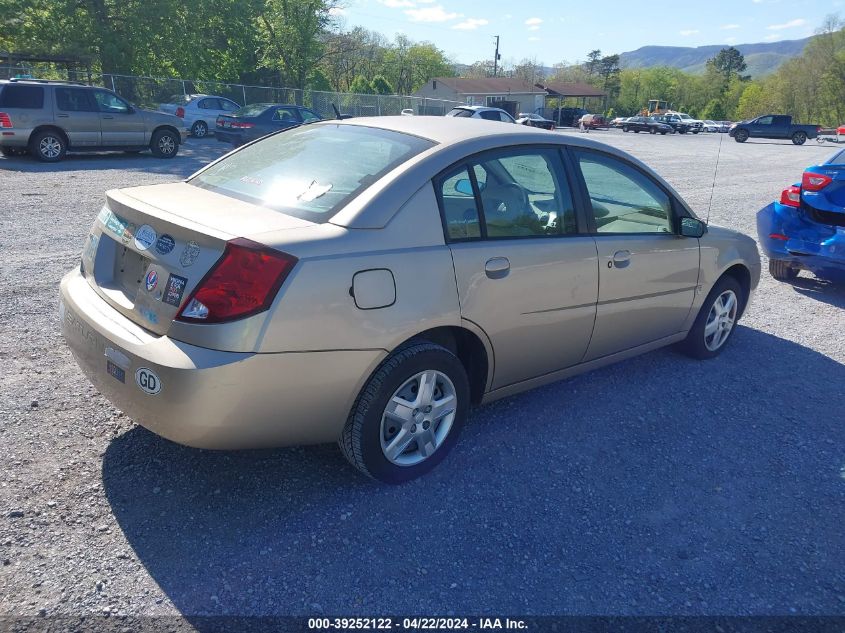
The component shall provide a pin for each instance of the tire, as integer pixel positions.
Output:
(663, 133)
(782, 270)
(48, 146)
(164, 144)
(696, 131)
(799, 138)
(12, 152)
(740, 136)
(367, 436)
(698, 343)
(199, 129)
(624, 128)
(636, 131)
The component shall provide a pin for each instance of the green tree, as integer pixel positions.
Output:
(593, 62)
(714, 110)
(381, 86)
(729, 63)
(361, 86)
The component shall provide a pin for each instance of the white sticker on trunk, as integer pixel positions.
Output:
(145, 237)
(148, 381)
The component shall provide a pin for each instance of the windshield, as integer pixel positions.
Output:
(685, 116)
(310, 172)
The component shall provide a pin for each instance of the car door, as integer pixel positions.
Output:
(761, 128)
(120, 123)
(525, 268)
(285, 117)
(647, 273)
(781, 126)
(78, 115)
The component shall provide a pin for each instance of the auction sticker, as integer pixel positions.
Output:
(145, 237)
(148, 381)
(118, 373)
(174, 290)
(165, 244)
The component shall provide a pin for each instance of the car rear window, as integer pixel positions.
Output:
(312, 171)
(253, 110)
(27, 97)
(459, 112)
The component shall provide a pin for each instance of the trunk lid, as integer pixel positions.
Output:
(150, 246)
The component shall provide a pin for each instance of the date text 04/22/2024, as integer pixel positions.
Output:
(416, 624)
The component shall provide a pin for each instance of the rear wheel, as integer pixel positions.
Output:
(782, 270)
(48, 146)
(741, 136)
(164, 144)
(663, 133)
(624, 128)
(199, 129)
(408, 415)
(716, 320)
(799, 138)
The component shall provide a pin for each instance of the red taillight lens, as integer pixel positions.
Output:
(243, 282)
(180, 112)
(242, 126)
(814, 182)
(5, 120)
(791, 196)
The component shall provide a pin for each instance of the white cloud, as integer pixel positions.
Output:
(470, 24)
(757, 1)
(426, 1)
(431, 14)
(787, 25)
(688, 32)
(728, 27)
(397, 4)
(533, 22)
(533, 38)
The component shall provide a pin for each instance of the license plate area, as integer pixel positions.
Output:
(118, 373)
(129, 270)
(119, 271)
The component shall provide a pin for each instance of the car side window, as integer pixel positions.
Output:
(228, 106)
(286, 115)
(460, 210)
(308, 116)
(74, 100)
(109, 102)
(25, 97)
(765, 120)
(208, 104)
(490, 115)
(623, 199)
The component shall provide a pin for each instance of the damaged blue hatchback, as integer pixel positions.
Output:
(805, 230)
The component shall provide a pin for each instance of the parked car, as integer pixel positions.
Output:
(724, 126)
(353, 281)
(593, 121)
(199, 112)
(50, 118)
(773, 126)
(646, 124)
(259, 119)
(618, 121)
(569, 116)
(407, 112)
(681, 122)
(805, 229)
(481, 112)
(535, 120)
(710, 126)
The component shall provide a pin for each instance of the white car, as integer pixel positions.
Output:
(199, 112)
(481, 112)
(710, 126)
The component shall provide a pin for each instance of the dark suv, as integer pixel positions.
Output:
(50, 118)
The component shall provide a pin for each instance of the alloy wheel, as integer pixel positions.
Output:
(418, 418)
(166, 145)
(720, 320)
(50, 147)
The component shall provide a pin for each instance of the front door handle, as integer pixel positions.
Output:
(497, 267)
(107, 117)
(621, 258)
(63, 116)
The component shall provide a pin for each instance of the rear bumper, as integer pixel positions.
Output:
(234, 138)
(208, 398)
(15, 137)
(808, 246)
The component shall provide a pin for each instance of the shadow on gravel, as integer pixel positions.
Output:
(192, 155)
(661, 485)
(831, 291)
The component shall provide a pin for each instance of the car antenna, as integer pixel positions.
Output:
(713, 187)
(336, 112)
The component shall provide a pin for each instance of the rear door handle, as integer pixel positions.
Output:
(63, 116)
(497, 267)
(621, 258)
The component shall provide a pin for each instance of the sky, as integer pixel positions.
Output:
(552, 31)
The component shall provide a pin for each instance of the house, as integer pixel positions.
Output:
(513, 95)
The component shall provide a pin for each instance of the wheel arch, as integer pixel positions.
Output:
(169, 128)
(742, 275)
(49, 127)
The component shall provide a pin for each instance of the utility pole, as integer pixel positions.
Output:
(496, 58)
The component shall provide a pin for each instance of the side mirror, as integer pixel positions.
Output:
(692, 227)
(130, 109)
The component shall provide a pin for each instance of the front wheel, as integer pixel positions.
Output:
(799, 138)
(716, 321)
(624, 128)
(164, 144)
(740, 136)
(652, 131)
(409, 414)
(782, 270)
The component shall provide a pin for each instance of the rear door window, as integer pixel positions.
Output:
(25, 97)
(210, 104)
(229, 106)
(286, 115)
(74, 100)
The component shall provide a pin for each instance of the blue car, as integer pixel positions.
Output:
(805, 230)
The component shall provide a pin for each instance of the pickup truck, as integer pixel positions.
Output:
(774, 126)
(681, 122)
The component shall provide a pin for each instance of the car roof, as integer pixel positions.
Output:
(476, 108)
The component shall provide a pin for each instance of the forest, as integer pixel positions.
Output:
(306, 44)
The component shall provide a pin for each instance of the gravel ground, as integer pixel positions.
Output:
(660, 485)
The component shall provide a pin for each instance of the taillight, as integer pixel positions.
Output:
(219, 122)
(791, 196)
(814, 182)
(180, 112)
(5, 120)
(243, 282)
(241, 125)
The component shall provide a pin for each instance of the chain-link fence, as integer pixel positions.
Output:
(149, 92)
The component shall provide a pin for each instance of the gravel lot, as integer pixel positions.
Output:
(661, 485)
